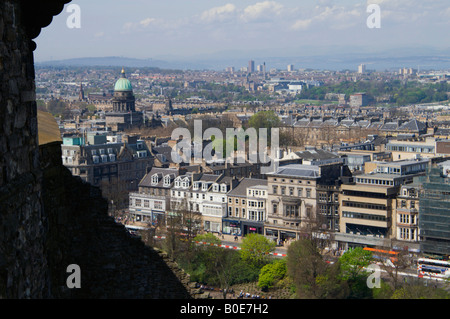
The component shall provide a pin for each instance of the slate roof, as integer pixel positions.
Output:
(298, 170)
(390, 126)
(413, 126)
(147, 179)
(241, 189)
(163, 153)
(316, 154)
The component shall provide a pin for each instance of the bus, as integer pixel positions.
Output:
(433, 268)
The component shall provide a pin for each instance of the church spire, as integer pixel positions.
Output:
(81, 92)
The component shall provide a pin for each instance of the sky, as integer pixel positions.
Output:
(172, 29)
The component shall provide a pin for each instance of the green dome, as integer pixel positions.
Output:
(123, 84)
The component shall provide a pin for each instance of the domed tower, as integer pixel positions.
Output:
(123, 100)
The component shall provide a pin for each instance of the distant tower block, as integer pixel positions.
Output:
(290, 67)
(362, 68)
(251, 66)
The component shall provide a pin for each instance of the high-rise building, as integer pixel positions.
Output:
(251, 66)
(362, 68)
(290, 68)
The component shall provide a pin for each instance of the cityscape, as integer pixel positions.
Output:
(260, 178)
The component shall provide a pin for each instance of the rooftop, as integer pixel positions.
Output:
(298, 170)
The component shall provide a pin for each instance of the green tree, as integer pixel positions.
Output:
(208, 238)
(354, 261)
(305, 266)
(270, 274)
(56, 107)
(311, 275)
(331, 284)
(353, 264)
(420, 292)
(222, 147)
(264, 119)
(255, 249)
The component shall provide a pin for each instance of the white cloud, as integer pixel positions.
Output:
(301, 24)
(143, 25)
(147, 22)
(336, 17)
(219, 13)
(262, 11)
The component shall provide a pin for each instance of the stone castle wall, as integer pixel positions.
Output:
(23, 271)
(48, 218)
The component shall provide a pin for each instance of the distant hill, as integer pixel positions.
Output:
(336, 61)
(108, 61)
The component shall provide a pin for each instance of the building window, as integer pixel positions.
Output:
(291, 210)
(158, 204)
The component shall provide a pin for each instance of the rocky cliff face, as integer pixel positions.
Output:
(48, 218)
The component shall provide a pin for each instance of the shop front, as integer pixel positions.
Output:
(253, 228)
(231, 227)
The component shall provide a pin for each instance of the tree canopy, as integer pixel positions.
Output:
(256, 248)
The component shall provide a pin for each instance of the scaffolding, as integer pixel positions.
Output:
(434, 212)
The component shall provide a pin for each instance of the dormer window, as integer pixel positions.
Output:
(155, 179)
(223, 188)
(166, 181)
(196, 186)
